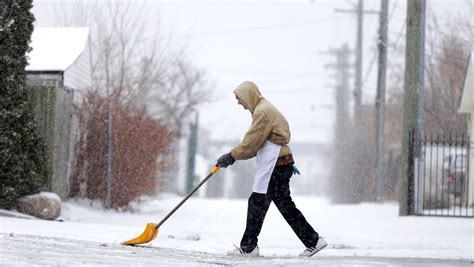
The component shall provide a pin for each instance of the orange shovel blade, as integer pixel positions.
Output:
(148, 235)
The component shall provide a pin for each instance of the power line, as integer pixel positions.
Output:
(256, 28)
(267, 72)
(291, 79)
(309, 89)
(296, 90)
(399, 35)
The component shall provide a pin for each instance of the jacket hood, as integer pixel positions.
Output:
(248, 93)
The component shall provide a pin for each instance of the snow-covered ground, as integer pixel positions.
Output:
(202, 230)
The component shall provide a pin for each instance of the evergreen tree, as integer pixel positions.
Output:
(22, 151)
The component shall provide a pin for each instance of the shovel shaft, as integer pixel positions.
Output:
(213, 171)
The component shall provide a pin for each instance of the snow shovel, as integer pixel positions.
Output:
(151, 229)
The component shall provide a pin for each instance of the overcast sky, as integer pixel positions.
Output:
(278, 45)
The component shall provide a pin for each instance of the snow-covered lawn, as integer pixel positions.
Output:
(210, 226)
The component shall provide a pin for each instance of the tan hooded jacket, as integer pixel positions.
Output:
(267, 124)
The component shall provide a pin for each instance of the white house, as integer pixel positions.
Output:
(60, 53)
(467, 106)
(58, 66)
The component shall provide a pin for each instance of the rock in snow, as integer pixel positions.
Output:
(44, 205)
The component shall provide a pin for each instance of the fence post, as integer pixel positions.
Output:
(419, 173)
(407, 178)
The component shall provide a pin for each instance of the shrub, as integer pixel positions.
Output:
(140, 146)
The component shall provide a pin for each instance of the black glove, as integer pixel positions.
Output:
(225, 160)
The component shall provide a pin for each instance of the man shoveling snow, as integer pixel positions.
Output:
(268, 139)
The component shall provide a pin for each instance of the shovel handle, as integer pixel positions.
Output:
(213, 171)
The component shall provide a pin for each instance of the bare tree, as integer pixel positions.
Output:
(130, 59)
(131, 62)
(446, 65)
(75, 13)
(186, 89)
(448, 44)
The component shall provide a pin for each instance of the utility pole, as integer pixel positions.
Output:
(191, 156)
(108, 195)
(355, 163)
(341, 184)
(341, 67)
(358, 62)
(359, 11)
(380, 101)
(414, 87)
(342, 92)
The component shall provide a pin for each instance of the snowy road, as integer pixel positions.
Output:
(29, 250)
(203, 230)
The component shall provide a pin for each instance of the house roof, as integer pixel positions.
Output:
(467, 100)
(55, 49)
